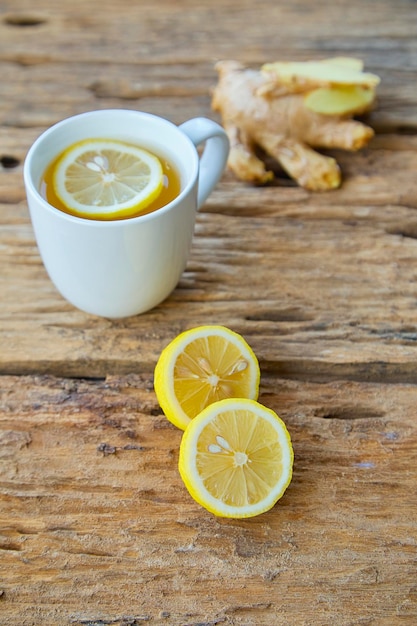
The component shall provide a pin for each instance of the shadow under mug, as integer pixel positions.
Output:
(119, 268)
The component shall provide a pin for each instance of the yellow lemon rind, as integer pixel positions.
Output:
(164, 370)
(188, 468)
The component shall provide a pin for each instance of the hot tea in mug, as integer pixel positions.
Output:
(104, 179)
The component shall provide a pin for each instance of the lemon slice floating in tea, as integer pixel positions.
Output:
(106, 179)
(236, 458)
(201, 366)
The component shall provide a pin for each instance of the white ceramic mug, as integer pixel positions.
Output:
(124, 267)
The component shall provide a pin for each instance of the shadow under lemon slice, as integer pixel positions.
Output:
(106, 179)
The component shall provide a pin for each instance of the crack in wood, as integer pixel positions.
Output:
(408, 231)
(120, 621)
(9, 162)
(309, 370)
(24, 20)
(348, 413)
(284, 315)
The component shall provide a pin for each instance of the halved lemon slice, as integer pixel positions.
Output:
(201, 366)
(236, 458)
(105, 179)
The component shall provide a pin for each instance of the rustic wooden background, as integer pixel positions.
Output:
(95, 525)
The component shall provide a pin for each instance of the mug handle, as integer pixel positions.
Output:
(215, 154)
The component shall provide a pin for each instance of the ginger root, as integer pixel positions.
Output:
(287, 109)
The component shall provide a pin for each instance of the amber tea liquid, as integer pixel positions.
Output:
(170, 190)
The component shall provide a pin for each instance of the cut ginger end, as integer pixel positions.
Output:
(339, 100)
(324, 73)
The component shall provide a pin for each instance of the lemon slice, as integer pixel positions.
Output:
(201, 366)
(105, 178)
(236, 458)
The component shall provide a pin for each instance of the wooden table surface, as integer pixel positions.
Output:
(96, 526)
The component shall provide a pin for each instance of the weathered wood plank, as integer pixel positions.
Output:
(176, 91)
(335, 277)
(109, 532)
(88, 31)
(76, 55)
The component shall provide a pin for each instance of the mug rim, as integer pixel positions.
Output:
(67, 121)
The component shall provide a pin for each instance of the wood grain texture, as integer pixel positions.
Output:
(96, 526)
